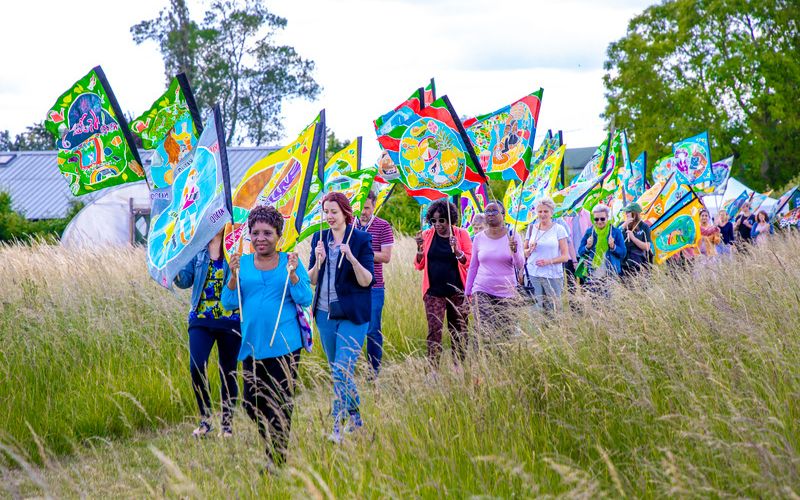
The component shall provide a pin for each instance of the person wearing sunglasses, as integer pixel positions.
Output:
(492, 277)
(603, 249)
(443, 256)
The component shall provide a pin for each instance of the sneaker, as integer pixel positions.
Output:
(202, 430)
(226, 431)
(354, 423)
(336, 435)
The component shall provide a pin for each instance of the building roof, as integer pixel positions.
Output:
(576, 158)
(39, 191)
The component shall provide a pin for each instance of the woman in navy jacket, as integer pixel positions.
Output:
(603, 248)
(342, 302)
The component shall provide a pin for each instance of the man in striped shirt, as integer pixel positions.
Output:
(382, 241)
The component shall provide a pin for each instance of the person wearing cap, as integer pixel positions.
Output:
(638, 243)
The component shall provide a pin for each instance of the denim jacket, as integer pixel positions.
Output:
(195, 274)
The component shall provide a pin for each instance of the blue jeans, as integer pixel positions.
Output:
(374, 334)
(342, 340)
(547, 292)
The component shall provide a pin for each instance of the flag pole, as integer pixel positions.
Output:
(289, 270)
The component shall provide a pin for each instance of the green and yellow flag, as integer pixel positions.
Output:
(95, 146)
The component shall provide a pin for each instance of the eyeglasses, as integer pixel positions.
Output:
(599, 219)
(492, 212)
(440, 220)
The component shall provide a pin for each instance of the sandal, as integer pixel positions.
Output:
(202, 430)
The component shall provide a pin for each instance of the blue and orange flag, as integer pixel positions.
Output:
(504, 139)
(431, 154)
(95, 145)
(281, 179)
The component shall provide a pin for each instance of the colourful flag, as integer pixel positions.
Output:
(789, 201)
(734, 205)
(678, 228)
(401, 114)
(790, 220)
(342, 174)
(170, 129)
(472, 202)
(432, 154)
(503, 139)
(672, 190)
(383, 190)
(199, 205)
(756, 200)
(569, 199)
(635, 178)
(95, 146)
(663, 169)
(429, 93)
(596, 165)
(720, 172)
(520, 199)
(693, 159)
(281, 179)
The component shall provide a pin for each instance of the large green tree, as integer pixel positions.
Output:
(231, 58)
(729, 66)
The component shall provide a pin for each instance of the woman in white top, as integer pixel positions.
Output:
(545, 252)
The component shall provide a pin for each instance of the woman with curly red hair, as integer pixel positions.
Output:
(342, 267)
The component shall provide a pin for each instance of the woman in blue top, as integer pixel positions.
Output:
(269, 364)
(211, 322)
(342, 302)
(603, 249)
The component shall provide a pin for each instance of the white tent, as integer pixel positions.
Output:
(732, 191)
(109, 220)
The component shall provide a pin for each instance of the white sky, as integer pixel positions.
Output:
(369, 55)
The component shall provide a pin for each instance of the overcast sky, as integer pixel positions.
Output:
(369, 55)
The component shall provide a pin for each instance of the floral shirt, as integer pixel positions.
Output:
(210, 306)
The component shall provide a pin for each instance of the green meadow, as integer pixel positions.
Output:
(686, 384)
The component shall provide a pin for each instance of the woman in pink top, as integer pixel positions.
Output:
(492, 276)
(443, 256)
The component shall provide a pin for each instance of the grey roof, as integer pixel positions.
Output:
(576, 158)
(39, 191)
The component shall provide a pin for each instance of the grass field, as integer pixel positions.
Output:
(685, 386)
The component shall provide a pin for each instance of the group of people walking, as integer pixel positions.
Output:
(253, 307)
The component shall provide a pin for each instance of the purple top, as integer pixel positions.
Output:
(493, 267)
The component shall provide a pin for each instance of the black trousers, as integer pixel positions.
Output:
(201, 340)
(269, 399)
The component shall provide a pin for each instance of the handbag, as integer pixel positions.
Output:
(526, 289)
(335, 310)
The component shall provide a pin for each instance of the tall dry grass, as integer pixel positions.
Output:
(684, 385)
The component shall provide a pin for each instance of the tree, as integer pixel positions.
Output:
(34, 138)
(231, 59)
(333, 145)
(729, 66)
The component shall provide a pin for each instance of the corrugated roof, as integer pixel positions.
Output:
(39, 191)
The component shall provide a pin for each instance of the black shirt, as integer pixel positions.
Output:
(443, 276)
(744, 231)
(642, 233)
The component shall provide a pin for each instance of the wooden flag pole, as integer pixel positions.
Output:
(289, 270)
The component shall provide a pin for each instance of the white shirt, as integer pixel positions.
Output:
(546, 248)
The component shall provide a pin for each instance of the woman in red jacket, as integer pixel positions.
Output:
(443, 255)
